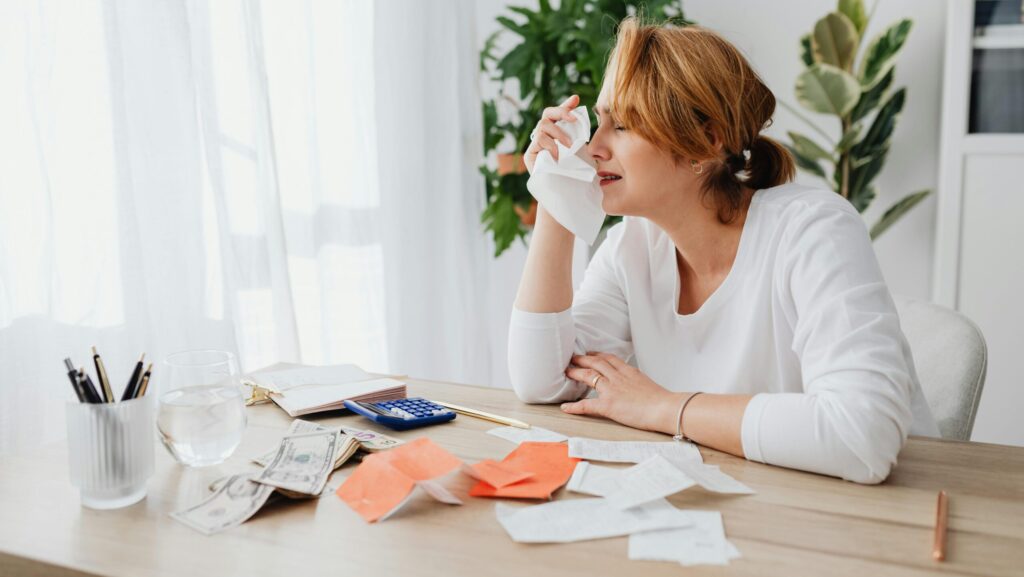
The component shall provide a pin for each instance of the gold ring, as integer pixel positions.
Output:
(593, 383)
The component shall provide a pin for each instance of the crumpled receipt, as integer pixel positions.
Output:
(568, 188)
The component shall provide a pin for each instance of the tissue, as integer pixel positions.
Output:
(569, 189)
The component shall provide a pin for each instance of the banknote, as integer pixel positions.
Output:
(303, 462)
(237, 499)
(370, 441)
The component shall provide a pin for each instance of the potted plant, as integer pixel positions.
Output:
(857, 92)
(558, 52)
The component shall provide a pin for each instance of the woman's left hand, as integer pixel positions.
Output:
(624, 393)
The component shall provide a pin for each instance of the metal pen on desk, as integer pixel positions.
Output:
(101, 374)
(941, 522)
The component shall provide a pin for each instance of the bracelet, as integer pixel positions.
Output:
(679, 436)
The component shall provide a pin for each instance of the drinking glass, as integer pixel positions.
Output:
(202, 413)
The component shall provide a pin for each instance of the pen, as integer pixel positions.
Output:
(75, 384)
(485, 416)
(941, 514)
(145, 381)
(91, 395)
(101, 374)
(131, 390)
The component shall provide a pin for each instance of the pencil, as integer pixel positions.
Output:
(145, 381)
(131, 390)
(485, 416)
(941, 514)
(101, 374)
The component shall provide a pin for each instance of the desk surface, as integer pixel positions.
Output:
(796, 524)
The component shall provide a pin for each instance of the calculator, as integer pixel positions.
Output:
(402, 414)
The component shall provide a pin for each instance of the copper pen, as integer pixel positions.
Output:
(941, 516)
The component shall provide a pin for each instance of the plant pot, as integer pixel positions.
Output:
(527, 216)
(510, 164)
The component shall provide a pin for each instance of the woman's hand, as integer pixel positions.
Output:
(624, 394)
(547, 133)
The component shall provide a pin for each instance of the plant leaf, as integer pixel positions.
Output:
(870, 99)
(848, 138)
(896, 212)
(827, 89)
(863, 199)
(808, 164)
(835, 41)
(882, 127)
(854, 10)
(809, 148)
(806, 52)
(881, 53)
(501, 220)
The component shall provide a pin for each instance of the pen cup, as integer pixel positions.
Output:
(110, 451)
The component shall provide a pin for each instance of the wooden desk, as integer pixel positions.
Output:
(796, 524)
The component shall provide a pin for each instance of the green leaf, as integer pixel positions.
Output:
(854, 10)
(870, 99)
(863, 199)
(881, 53)
(518, 59)
(512, 25)
(848, 138)
(861, 177)
(827, 89)
(501, 220)
(807, 147)
(896, 212)
(882, 127)
(835, 41)
(806, 52)
(808, 164)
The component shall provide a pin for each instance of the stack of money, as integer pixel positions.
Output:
(298, 468)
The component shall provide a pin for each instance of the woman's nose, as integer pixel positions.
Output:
(598, 149)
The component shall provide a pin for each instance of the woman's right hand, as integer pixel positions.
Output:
(547, 133)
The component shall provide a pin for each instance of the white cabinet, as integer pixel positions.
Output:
(980, 234)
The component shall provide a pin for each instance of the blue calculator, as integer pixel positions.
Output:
(402, 414)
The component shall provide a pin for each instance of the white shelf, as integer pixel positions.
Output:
(999, 37)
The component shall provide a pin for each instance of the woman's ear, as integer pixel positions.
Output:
(714, 137)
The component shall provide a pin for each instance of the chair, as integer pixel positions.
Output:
(951, 360)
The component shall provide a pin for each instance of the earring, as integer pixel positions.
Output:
(697, 167)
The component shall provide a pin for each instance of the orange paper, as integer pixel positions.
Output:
(549, 464)
(383, 481)
(496, 474)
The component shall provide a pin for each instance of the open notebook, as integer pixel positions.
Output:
(301, 390)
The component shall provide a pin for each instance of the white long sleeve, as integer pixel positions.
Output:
(804, 322)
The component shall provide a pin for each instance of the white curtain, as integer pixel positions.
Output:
(290, 181)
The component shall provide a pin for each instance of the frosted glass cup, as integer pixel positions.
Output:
(110, 451)
(202, 413)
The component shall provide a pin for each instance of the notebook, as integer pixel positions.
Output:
(302, 390)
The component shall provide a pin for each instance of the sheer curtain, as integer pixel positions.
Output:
(291, 181)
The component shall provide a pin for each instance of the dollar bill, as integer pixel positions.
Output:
(370, 441)
(303, 462)
(235, 501)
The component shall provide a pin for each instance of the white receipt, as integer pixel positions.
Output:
(591, 479)
(569, 188)
(653, 479)
(602, 481)
(582, 519)
(703, 543)
(633, 451)
(281, 380)
(713, 479)
(517, 435)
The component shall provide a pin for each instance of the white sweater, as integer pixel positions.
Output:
(803, 321)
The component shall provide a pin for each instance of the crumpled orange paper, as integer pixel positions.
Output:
(383, 481)
(549, 464)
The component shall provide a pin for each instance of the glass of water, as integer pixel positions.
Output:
(202, 414)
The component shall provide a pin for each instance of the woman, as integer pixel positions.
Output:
(753, 311)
